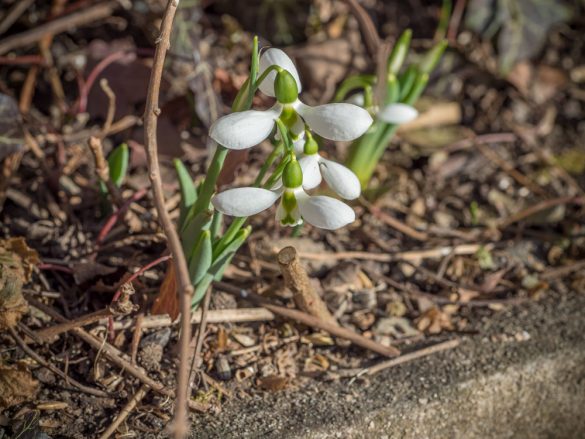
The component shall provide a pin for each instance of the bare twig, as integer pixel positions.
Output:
(136, 337)
(14, 14)
(105, 86)
(120, 307)
(539, 207)
(412, 255)
(482, 138)
(126, 410)
(509, 169)
(196, 357)
(88, 319)
(455, 20)
(185, 287)
(296, 279)
(369, 32)
(115, 356)
(393, 222)
(27, 350)
(420, 353)
(238, 315)
(59, 25)
(311, 321)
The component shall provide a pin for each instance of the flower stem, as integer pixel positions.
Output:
(238, 223)
(275, 153)
(208, 186)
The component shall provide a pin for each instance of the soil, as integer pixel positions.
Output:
(471, 229)
(538, 348)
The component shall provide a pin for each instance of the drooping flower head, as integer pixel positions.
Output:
(316, 168)
(295, 204)
(340, 121)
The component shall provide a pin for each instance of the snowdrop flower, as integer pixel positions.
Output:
(339, 178)
(244, 129)
(295, 204)
(396, 113)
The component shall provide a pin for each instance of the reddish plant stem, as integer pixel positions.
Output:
(113, 219)
(139, 272)
(55, 267)
(22, 60)
(85, 86)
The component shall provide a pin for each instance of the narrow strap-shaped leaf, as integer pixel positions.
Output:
(201, 257)
(215, 271)
(407, 80)
(118, 164)
(192, 230)
(188, 190)
(216, 223)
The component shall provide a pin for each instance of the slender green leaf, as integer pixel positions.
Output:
(188, 190)
(201, 257)
(118, 164)
(192, 230)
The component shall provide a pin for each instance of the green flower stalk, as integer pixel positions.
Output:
(293, 166)
(402, 91)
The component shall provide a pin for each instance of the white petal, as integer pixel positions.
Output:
(325, 212)
(311, 172)
(276, 57)
(244, 129)
(335, 121)
(244, 201)
(397, 113)
(299, 145)
(356, 99)
(341, 179)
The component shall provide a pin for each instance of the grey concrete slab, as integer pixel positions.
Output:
(521, 376)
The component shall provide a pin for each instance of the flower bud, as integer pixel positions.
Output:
(311, 146)
(292, 176)
(432, 57)
(285, 87)
(399, 52)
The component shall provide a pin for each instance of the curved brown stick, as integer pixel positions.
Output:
(185, 292)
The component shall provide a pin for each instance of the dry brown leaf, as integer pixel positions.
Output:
(16, 265)
(434, 321)
(86, 271)
(273, 382)
(167, 301)
(17, 385)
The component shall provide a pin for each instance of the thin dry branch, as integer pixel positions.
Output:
(412, 255)
(309, 320)
(406, 358)
(59, 25)
(151, 113)
(115, 356)
(200, 336)
(238, 315)
(393, 222)
(14, 14)
(126, 410)
(539, 207)
(369, 32)
(27, 350)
